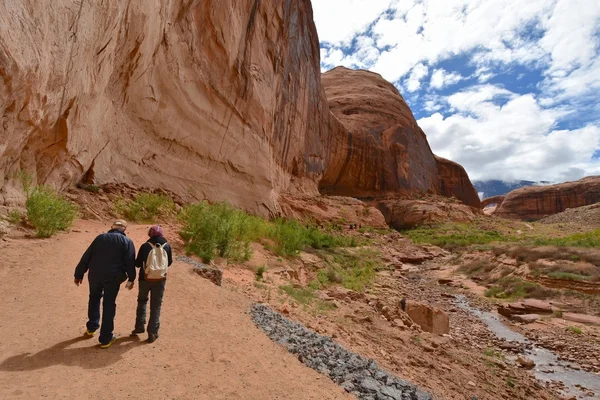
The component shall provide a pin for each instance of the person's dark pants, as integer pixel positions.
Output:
(156, 290)
(109, 290)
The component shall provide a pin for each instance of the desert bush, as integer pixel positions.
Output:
(586, 239)
(219, 230)
(455, 235)
(511, 287)
(575, 330)
(301, 295)
(48, 212)
(146, 207)
(290, 237)
(568, 276)
(14, 217)
(353, 270)
(260, 271)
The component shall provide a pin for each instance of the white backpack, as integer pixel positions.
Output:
(157, 263)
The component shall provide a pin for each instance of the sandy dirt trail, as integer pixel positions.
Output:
(208, 346)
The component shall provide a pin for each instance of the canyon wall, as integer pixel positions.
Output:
(210, 99)
(217, 100)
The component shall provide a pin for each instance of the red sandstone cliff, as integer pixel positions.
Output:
(536, 202)
(210, 99)
(383, 152)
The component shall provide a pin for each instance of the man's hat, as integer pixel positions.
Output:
(119, 224)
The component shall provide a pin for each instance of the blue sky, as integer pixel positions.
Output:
(509, 89)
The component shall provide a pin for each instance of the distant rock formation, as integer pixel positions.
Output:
(497, 200)
(536, 202)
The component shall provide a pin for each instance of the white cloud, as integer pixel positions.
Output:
(339, 20)
(417, 74)
(510, 131)
(440, 78)
(517, 139)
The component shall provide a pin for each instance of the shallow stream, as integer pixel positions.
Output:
(548, 367)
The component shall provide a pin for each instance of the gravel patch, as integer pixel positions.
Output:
(357, 375)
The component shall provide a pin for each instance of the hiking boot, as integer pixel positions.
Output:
(89, 333)
(152, 337)
(136, 332)
(107, 345)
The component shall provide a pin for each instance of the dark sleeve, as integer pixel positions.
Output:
(169, 254)
(142, 255)
(84, 263)
(130, 260)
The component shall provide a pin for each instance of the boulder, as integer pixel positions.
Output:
(525, 362)
(582, 318)
(407, 214)
(430, 319)
(526, 318)
(535, 202)
(526, 307)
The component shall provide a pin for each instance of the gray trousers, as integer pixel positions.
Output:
(156, 291)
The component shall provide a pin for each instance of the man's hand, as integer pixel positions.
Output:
(78, 281)
(129, 285)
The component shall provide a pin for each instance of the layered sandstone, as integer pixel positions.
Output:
(382, 151)
(209, 99)
(536, 202)
(217, 100)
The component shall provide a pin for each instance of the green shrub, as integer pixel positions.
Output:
(89, 188)
(513, 288)
(220, 230)
(455, 235)
(575, 330)
(587, 239)
(48, 212)
(290, 237)
(260, 272)
(353, 270)
(146, 207)
(301, 295)
(15, 217)
(568, 276)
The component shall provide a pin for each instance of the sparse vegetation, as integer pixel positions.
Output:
(490, 352)
(220, 230)
(575, 330)
(146, 207)
(587, 239)
(512, 288)
(260, 272)
(510, 382)
(568, 276)
(354, 270)
(15, 217)
(302, 295)
(48, 212)
(455, 235)
(89, 188)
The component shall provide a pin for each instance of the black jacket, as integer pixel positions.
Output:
(145, 250)
(111, 256)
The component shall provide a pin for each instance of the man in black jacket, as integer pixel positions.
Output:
(154, 288)
(110, 261)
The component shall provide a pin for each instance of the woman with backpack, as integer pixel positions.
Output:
(154, 258)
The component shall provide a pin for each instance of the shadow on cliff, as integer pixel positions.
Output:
(61, 354)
